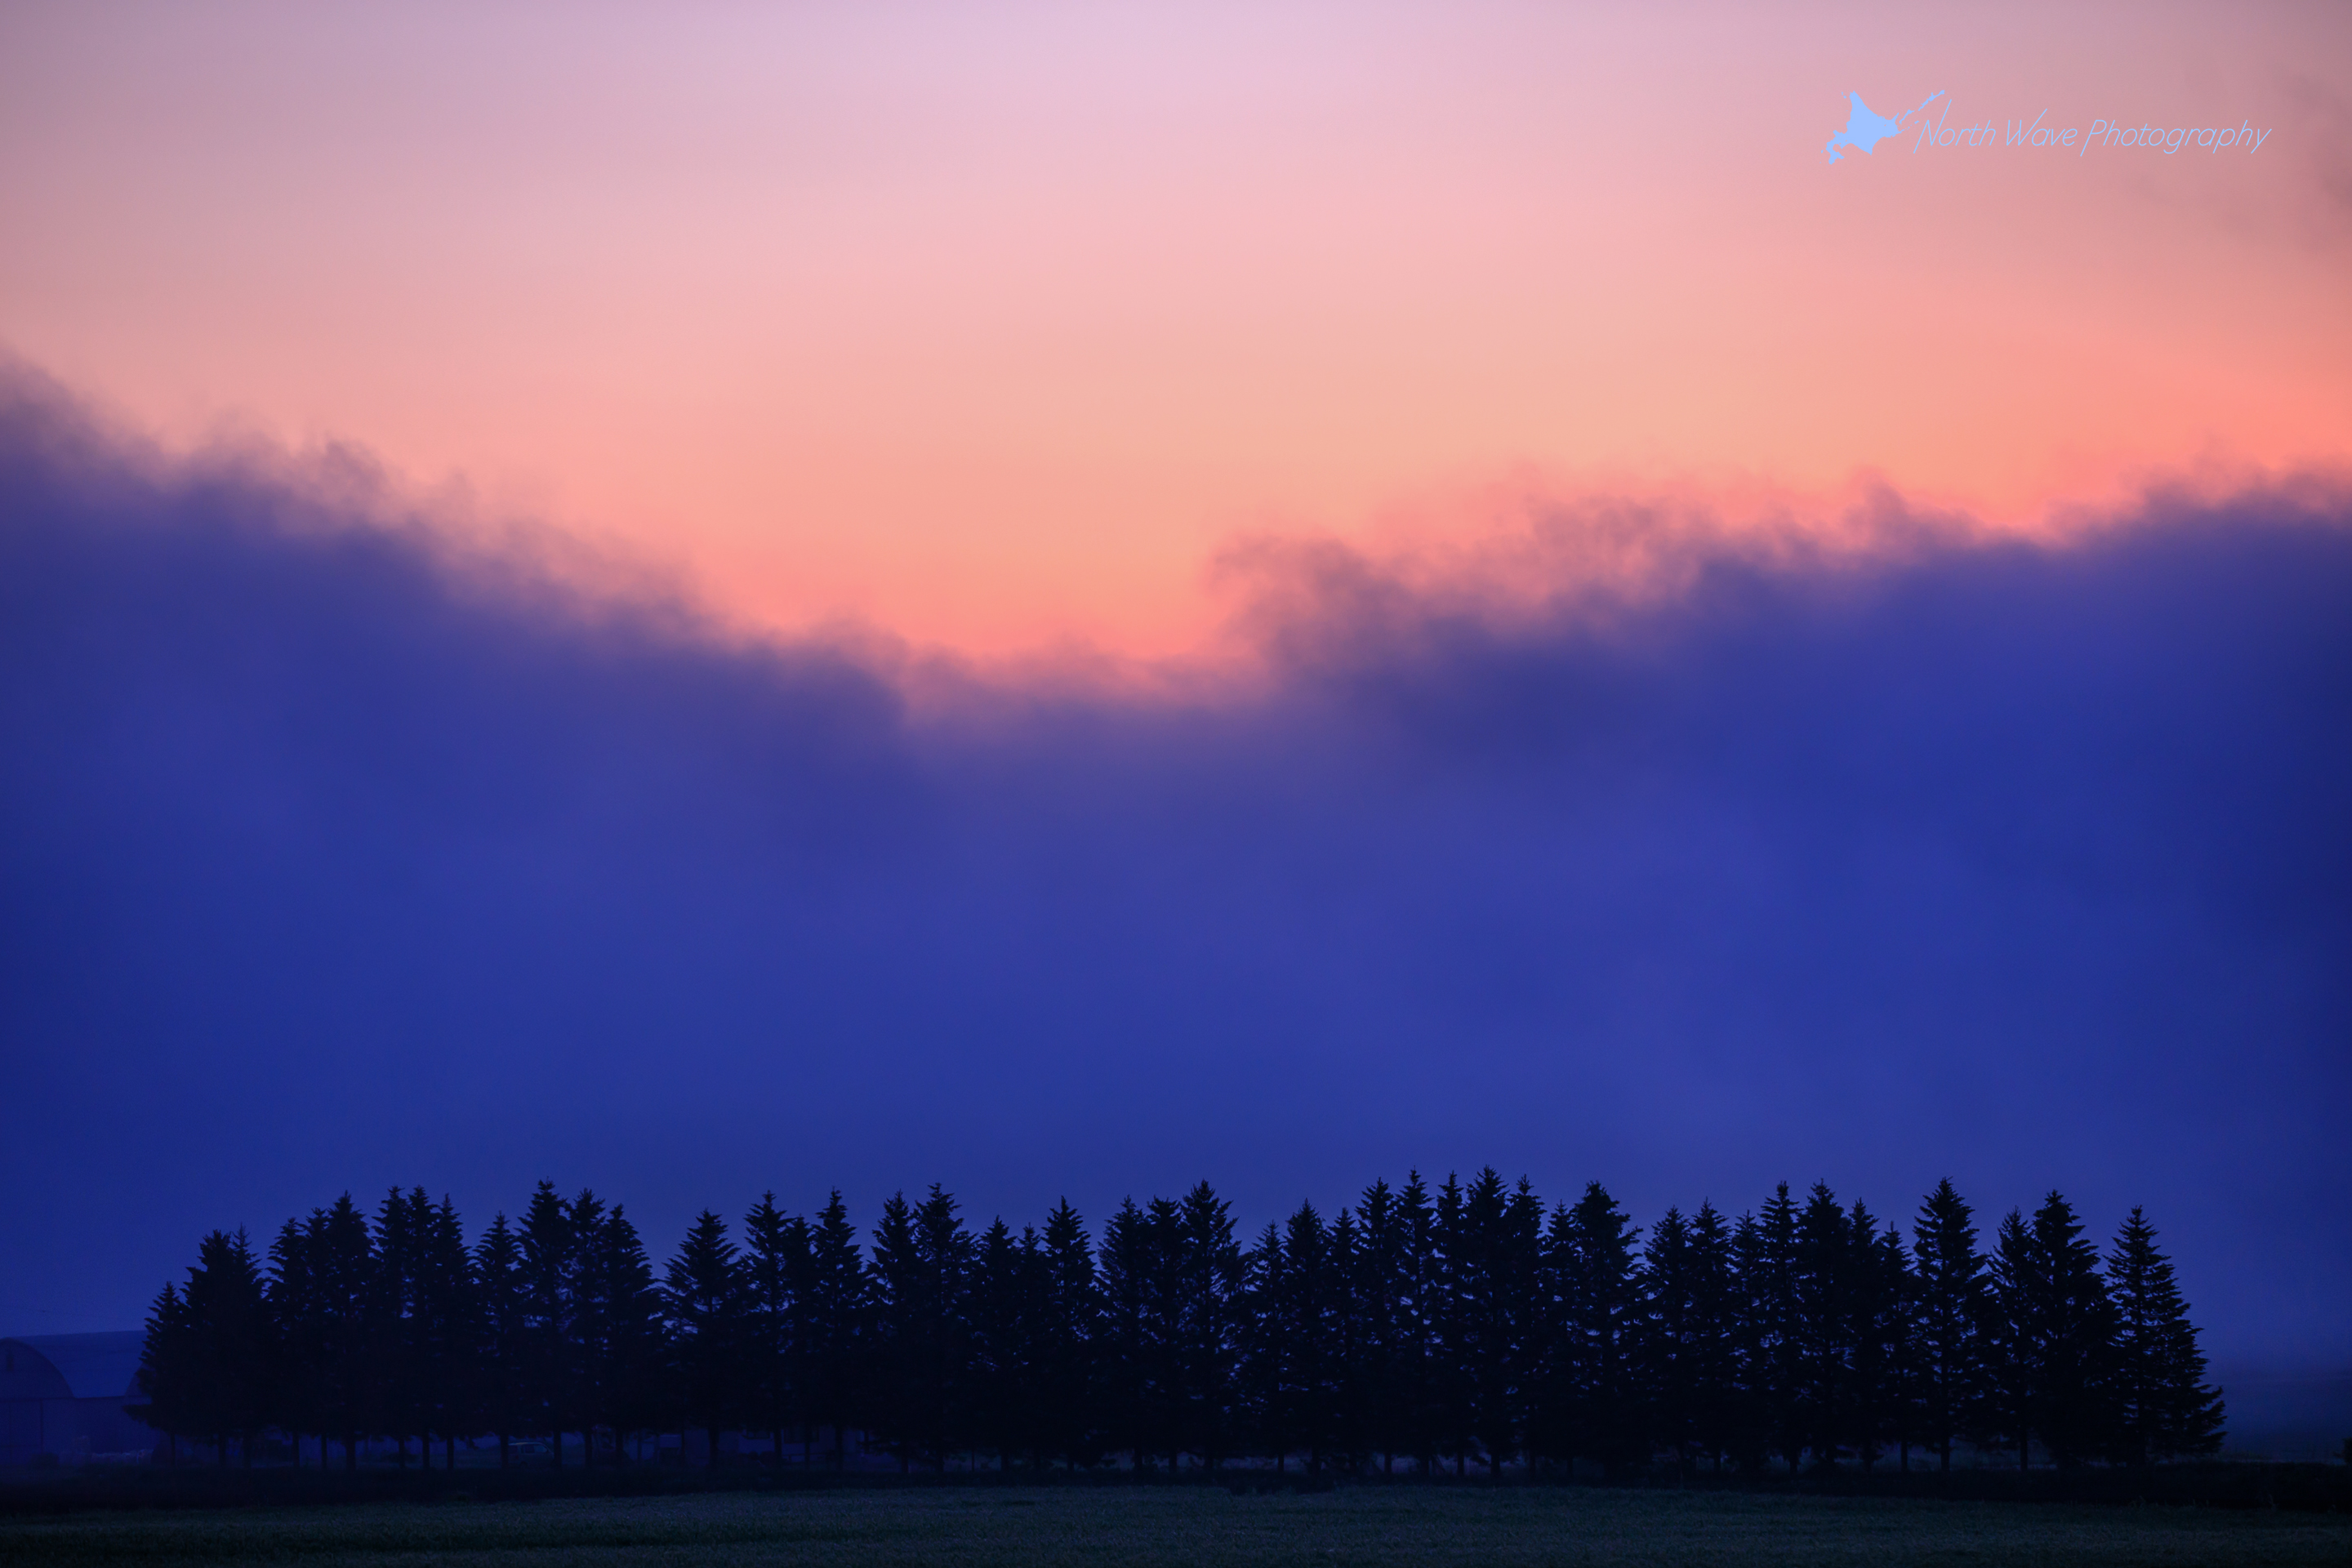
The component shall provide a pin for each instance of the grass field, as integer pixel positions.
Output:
(1187, 1525)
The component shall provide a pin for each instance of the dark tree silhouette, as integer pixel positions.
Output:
(1953, 1302)
(210, 1358)
(1670, 1338)
(776, 1364)
(834, 1313)
(1594, 1244)
(502, 1310)
(552, 1365)
(1467, 1325)
(2162, 1407)
(1067, 1340)
(708, 1311)
(1714, 1334)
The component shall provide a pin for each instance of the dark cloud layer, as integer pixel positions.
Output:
(325, 863)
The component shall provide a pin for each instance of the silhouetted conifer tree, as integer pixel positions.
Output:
(168, 1381)
(1129, 1355)
(2074, 1326)
(1420, 1290)
(551, 1368)
(1714, 1334)
(1002, 1307)
(1378, 1291)
(707, 1306)
(2008, 1417)
(1307, 1296)
(1824, 1326)
(1879, 1304)
(1593, 1243)
(1066, 1342)
(1208, 1288)
(449, 1323)
(395, 1332)
(1953, 1302)
(228, 1338)
(1463, 1326)
(501, 1386)
(834, 1308)
(1269, 1375)
(922, 1259)
(1670, 1338)
(1351, 1407)
(297, 1323)
(2161, 1406)
(627, 1351)
(776, 1370)
(1771, 1374)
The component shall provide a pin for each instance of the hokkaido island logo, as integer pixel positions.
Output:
(1864, 129)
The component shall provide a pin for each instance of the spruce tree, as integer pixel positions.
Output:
(1066, 1339)
(297, 1323)
(922, 1258)
(1001, 1311)
(1420, 1291)
(1379, 1290)
(2009, 1415)
(1452, 1282)
(1208, 1338)
(225, 1314)
(1668, 1337)
(588, 1321)
(1953, 1302)
(168, 1382)
(1166, 1392)
(344, 1270)
(1125, 1265)
(502, 1393)
(552, 1367)
(2162, 1406)
(1270, 1375)
(706, 1305)
(1772, 1374)
(775, 1263)
(1601, 1311)
(449, 1312)
(1824, 1326)
(1351, 1441)
(1878, 1302)
(2075, 1325)
(1308, 1303)
(1714, 1334)
(835, 1308)
(629, 1354)
(397, 1350)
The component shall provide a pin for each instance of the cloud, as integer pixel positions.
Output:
(331, 856)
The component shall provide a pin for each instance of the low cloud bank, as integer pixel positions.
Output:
(328, 861)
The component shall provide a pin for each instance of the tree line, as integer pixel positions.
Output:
(1463, 1326)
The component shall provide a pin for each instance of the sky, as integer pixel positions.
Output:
(1064, 599)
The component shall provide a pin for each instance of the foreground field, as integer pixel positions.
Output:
(1189, 1526)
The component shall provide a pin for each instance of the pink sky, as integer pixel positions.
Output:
(995, 324)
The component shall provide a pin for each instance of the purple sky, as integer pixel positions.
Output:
(329, 861)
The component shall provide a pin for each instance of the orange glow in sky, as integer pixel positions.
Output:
(993, 324)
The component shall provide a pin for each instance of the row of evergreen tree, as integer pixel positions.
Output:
(1463, 1326)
